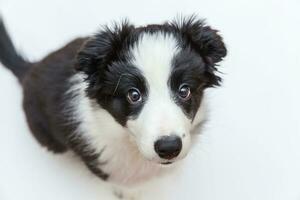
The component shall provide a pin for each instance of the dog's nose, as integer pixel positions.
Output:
(168, 147)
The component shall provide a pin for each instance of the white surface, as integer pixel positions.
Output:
(250, 149)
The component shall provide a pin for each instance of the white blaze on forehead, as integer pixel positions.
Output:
(153, 55)
(160, 116)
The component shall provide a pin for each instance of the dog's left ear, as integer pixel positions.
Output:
(201, 38)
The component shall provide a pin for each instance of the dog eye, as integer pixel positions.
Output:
(134, 96)
(184, 92)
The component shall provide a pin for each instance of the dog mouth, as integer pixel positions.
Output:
(167, 163)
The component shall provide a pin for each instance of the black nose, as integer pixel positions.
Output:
(168, 147)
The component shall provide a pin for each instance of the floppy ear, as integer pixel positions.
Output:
(103, 48)
(202, 38)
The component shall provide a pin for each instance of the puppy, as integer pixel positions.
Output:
(127, 100)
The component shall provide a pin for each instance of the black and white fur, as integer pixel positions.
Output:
(77, 97)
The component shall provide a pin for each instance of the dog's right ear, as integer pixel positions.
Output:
(103, 48)
(200, 37)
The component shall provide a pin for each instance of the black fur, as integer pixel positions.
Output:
(117, 80)
(104, 48)
(9, 56)
(195, 65)
(201, 38)
(46, 102)
(105, 61)
(190, 69)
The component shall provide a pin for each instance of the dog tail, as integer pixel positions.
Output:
(9, 56)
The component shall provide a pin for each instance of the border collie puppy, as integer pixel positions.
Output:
(127, 100)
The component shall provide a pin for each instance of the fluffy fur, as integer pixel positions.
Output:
(127, 100)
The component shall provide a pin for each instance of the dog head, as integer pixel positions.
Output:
(151, 79)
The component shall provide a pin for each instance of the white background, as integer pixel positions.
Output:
(250, 150)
